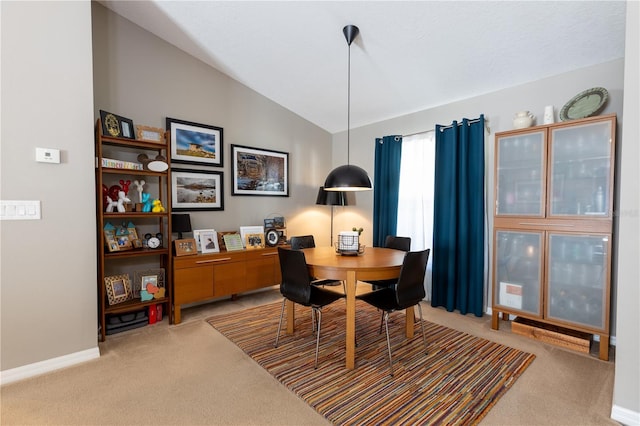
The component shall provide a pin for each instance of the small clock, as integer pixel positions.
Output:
(272, 236)
(153, 242)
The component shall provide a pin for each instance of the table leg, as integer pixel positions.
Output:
(410, 319)
(351, 320)
(291, 316)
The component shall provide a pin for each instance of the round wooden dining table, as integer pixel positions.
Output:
(374, 264)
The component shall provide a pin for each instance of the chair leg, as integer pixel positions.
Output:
(386, 326)
(319, 314)
(284, 301)
(424, 339)
(381, 321)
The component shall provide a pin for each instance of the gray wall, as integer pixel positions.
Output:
(141, 77)
(48, 291)
(626, 395)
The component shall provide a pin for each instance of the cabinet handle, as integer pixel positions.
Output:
(269, 254)
(568, 225)
(213, 260)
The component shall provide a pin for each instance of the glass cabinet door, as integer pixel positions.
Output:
(580, 170)
(518, 270)
(520, 174)
(578, 274)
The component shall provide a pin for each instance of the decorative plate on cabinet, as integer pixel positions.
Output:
(585, 104)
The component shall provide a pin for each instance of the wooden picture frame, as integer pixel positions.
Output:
(254, 241)
(259, 171)
(195, 143)
(150, 134)
(196, 190)
(209, 241)
(140, 279)
(118, 288)
(116, 126)
(186, 247)
(246, 230)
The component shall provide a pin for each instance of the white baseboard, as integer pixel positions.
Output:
(625, 416)
(596, 337)
(47, 366)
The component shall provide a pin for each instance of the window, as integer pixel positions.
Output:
(415, 201)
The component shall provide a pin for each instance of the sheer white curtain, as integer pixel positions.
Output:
(415, 202)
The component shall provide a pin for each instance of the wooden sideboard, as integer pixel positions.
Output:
(201, 277)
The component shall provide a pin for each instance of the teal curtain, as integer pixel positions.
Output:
(385, 190)
(458, 218)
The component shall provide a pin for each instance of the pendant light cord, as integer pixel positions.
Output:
(349, 105)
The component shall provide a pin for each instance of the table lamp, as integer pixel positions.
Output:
(180, 223)
(331, 198)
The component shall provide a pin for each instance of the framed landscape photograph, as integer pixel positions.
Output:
(196, 190)
(259, 171)
(195, 143)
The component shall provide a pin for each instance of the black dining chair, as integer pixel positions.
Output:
(297, 287)
(408, 292)
(307, 241)
(396, 243)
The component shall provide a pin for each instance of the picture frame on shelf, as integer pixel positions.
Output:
(196, 236)
(233, 242)
(195, 143)
(245, 230)
(258, 171)
(186, 247)
(197, 190)
(118, 288)
(150, 134)
(272, 237)
(141, 278)
(116, 126)
(254, 241)
(209, 241)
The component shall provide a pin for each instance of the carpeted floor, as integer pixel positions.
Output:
(457, 382)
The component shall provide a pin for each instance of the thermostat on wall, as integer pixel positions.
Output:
(48, 155)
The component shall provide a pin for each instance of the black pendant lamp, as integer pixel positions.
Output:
(348, 177)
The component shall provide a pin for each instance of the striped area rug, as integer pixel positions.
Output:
(457, 382)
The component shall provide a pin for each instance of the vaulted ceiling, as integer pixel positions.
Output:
(409, 55)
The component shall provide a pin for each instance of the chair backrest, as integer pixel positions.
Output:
(295, 284)
(398, 243)
(410, 287)
(302, 242)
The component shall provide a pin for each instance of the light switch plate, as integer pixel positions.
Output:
(20, 210)
(48, 155)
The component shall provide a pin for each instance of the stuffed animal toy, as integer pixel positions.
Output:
(157, 206)
(146, 200)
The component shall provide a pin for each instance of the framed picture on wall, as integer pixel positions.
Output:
(196, 190)
(259, 171)
(195, 143)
